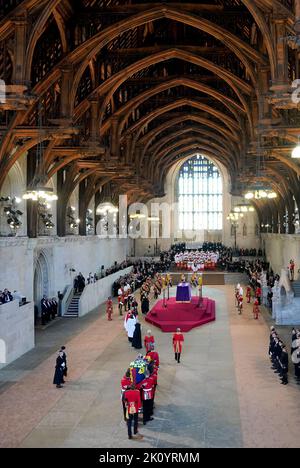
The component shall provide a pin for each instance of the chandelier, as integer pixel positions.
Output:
(296, 150)
(243, 208)
(138, 217)
(40, 193)
(234, 216)
(107, 208)
(259, 190)
(37, 189)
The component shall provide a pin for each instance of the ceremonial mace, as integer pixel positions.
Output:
(164, 292)
(200, 285)
(168, 283)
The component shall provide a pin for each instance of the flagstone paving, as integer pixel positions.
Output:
(222, 395)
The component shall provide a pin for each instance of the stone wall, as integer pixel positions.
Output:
(247, 237)
(97, 293)
(280, 249)
(19, 257)
(16, 331)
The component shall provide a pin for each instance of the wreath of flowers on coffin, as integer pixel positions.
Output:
(138, 370)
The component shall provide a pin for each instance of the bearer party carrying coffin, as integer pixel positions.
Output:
(139, 370)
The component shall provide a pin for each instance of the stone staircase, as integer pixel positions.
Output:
(73, 310)
(296, 288)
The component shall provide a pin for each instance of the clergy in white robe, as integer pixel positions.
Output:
(130, 327)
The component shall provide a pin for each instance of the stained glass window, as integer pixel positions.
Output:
(200, 195)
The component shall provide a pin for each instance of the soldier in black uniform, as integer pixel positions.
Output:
(64, 357)
(54, 307)
(272, 349)
(44, 310)
(284, 361)
(277, 352)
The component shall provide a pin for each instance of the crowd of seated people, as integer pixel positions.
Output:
(116, 267)
(141, 271)
(255, 271)
(230, 259)
(80, 281)
(6, 296)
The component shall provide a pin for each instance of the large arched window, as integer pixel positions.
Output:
(200, 195)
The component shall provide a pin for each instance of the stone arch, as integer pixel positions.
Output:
(41, 282)
(172, 178)
(165, 155)
(14, 183)
(188, 152)
(14, 186)
(205, 148)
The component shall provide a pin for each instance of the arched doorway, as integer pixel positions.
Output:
(41, 279)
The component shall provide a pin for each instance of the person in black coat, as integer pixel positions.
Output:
(284, 360)
(145, 305)
(44, 310)
(137, 337)
(64, 355)
(54, 308)
(59, 370)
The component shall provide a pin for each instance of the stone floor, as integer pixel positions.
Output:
(222, 395)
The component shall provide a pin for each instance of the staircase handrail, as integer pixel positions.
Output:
(67, 299)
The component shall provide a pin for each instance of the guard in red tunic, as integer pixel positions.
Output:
(154, 377)
(133, 404)
(248, 294)
(109, 309)
(258, 294)
(148, 399)
(153, 355)
(240, 304)
(178, 339)
(292, 270)
(149, 341)
(125, 385)
(256, 309)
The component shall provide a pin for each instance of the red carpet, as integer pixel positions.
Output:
(183, 316)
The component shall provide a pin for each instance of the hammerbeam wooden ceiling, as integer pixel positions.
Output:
(118, 91)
